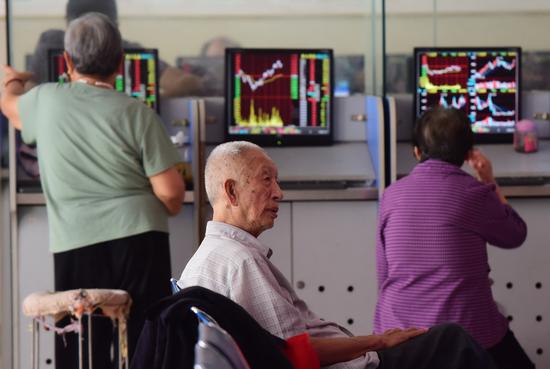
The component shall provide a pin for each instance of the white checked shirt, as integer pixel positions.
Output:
(235, 264)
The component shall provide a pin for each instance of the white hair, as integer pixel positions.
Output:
(227, 159)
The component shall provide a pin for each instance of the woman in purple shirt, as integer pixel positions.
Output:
(433, 229)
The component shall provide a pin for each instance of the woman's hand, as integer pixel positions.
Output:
(12, 75)
(484, 171)
(13, 86)
(482, 166)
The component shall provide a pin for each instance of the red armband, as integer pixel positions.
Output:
(300, 352)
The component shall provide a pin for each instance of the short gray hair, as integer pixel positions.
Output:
(224, 160)
(94, 44)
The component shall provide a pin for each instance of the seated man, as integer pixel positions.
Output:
(241, 184)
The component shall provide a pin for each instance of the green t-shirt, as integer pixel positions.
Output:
(96, 150)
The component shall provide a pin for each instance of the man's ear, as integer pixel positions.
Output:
(229, 187)
(416, 153)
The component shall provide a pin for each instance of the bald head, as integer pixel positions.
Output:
(228, 160)
(242, 184)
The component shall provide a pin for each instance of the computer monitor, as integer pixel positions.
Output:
(349, 73)
(279, 96)
(483, 82)
(137, 76)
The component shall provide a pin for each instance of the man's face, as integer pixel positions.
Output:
(258, 194)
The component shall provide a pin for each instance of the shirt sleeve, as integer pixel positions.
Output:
(255, 288)
(499, 224)
(29, 110)
(157, 150)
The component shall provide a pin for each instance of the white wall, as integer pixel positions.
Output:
(184, 35)
(529, 30)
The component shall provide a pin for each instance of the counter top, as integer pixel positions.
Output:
(353, 193)
(38, 198)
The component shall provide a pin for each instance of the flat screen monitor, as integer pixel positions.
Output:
(483, 82)
(137, 76)
(279, 97)
(349, 73)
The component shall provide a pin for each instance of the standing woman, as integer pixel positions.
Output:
(108, 175)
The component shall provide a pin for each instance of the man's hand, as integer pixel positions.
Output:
(331, 350)
(395, 336)
(482, 166)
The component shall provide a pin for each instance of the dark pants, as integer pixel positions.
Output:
(508, 354)
(138, 264)
(444, 346)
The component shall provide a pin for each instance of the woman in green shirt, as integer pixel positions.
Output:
(108, 175)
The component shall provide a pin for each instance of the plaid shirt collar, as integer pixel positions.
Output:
(219, 229)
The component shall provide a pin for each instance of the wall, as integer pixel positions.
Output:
(346, 33)
(527, 29)
(185, 35)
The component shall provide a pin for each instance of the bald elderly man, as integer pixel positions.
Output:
(242, 186)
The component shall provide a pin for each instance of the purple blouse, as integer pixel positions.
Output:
(431, 251)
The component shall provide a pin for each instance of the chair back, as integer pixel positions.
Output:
(215, 348)
(174, 286)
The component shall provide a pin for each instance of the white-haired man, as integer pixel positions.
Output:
(242, 186)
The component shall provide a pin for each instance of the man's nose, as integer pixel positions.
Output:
(277, 192)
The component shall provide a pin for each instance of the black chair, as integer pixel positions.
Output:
(226, 333)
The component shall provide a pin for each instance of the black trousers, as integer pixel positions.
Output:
(139, 264)
(444, 346)
(508, 354)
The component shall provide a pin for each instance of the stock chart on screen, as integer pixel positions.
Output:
(484, 83)
(279, 95)
(137, 76)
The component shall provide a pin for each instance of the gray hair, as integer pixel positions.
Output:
(94, 44)
(226, 159)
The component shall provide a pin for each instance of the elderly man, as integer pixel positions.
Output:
(241, 184)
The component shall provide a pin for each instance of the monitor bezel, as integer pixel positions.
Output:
(478, 137)
(154, 51)
(51, 53)
(277, 140)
